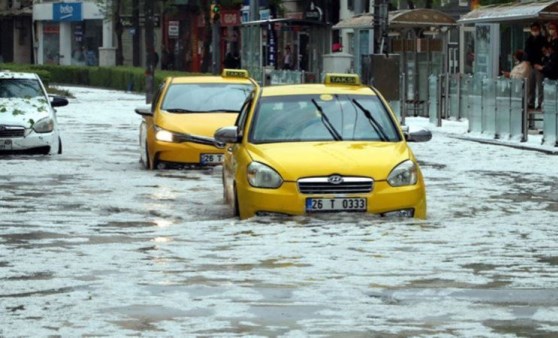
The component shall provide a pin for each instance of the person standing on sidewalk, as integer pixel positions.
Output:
(533, 49)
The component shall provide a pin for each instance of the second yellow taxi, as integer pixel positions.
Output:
(330, 147)
(177, 130)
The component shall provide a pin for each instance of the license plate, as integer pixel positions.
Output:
(211, 158)
(5, 144)
(336, 204)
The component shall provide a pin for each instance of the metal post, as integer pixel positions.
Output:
(402, 105)
(440, 102)
(525, 114)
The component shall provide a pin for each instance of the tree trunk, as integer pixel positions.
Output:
(207, 57)
(136, 38)
(118, 30)
(150, 50)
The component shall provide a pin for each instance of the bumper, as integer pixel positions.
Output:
(183, 153)
(44, 143)
(288, 200)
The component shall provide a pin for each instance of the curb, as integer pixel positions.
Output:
(504, 144)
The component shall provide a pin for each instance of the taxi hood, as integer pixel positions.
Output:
(305, 159)
(201, 124)
(23, 112)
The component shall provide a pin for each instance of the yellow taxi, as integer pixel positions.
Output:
(177, 130)
(331, 147)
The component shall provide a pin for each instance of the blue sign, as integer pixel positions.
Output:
(62, 11)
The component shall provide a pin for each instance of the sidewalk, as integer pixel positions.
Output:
(458, 129)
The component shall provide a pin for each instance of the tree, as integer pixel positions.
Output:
(112, 9)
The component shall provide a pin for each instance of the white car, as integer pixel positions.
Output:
(28, 121)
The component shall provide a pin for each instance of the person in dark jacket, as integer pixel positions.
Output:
(550, 67)
(533, 49)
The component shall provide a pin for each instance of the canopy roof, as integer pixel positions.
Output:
(405, 18)
(509, 12)
(287, 21)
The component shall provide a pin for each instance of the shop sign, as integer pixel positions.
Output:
(230, 18)
(271, 45)
(127, 20)
(174, 29)
(64, 11)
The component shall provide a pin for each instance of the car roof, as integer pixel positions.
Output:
(304, 89)
(6, 74)
(209, 79)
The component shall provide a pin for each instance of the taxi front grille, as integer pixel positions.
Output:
(335, 185)
(9, 131)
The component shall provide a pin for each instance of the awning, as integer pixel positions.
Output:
(405, 18)
(286, 21)
(509, 12)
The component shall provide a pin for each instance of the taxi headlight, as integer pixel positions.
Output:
(403, 174)
(262, 176)
(163, 135)
(45, 125)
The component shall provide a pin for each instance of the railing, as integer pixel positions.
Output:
(493, 107)
(550, 113)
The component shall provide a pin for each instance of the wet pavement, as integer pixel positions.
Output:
(91, 244)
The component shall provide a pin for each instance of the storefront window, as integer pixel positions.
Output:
(51, 43)
(86, 40)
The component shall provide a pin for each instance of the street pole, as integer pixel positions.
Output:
(150, 51)
(216, 42)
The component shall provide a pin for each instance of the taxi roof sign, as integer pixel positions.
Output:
(342, 79)
(242, 73)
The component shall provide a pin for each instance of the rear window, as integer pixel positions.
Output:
(20, 88)
(183, 98)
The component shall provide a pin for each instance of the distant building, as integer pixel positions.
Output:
(15, 24)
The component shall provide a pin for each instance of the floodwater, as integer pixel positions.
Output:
(91, 244)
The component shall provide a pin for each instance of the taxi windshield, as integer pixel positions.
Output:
(205, 98)
(20, 88)
(306, 118)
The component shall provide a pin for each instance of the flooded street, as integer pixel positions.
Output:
(91, 244)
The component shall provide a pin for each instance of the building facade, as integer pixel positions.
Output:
(16, 38)
(72, 33)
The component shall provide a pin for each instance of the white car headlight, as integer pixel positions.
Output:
(164, 135)
(262, 176)
(45, 125)
(403, 174)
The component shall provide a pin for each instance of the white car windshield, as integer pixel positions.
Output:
(20, 88)
(205, 98)
(301, 118)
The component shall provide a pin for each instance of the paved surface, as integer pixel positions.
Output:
(91, 244)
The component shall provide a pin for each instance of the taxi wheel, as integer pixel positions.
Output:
(145, 164)
(59, 145)
(236, 207)
(225, 195)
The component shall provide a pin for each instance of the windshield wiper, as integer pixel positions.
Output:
(373, 122)
(327, 123)
(180, 110)
(222, 111)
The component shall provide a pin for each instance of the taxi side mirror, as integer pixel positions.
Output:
(144, 111)
(414, 134)
(227, 135)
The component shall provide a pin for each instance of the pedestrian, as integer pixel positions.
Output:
(533, 48)
(229, 61)
(522, 68)
(550, 67)
(552, 28)
(288, 59)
